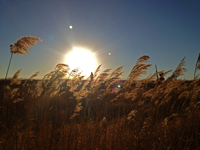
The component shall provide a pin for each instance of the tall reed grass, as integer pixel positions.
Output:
(65, 111)
(21, 47)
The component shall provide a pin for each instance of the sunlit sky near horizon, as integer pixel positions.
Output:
(117, 32)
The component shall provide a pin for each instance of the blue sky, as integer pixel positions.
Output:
(164, 30)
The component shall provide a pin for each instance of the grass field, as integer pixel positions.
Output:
(103, 114)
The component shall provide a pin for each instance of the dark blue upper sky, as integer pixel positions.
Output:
(165, 30)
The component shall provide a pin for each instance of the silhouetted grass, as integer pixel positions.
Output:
(58, 113)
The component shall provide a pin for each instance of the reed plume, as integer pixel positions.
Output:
(102, 77)
(73, 73)
(117, 72)
(138, 70)
(22, 46)
(63, 68)
(34, 75)
(132, 114)
(97, 70)
(197, 67)
(77, 110)
(179, 71)
(15, 77)
(114, 79)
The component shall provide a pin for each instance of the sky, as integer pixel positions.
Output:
(165, 30)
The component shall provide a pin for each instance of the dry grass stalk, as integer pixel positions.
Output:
(34, 75)
(102, 77)
(116, 73)
(138, 70)
(19, 81)
(107, 70)
(48, 75)
(61, 67)
(38, 89)
(13, 92)
(73, 73)
(15, 77)
(179, 71)
(97, 70)
(143, 59)
(132, 114)
(21, 47)
(165, 73)
(197, 67)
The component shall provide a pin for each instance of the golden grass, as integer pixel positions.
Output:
(197, 67)
(23, 45)
(59, 112)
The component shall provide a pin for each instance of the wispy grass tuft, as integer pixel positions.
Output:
(15, 77)
(197, 67)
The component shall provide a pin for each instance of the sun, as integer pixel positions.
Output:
(81, 58)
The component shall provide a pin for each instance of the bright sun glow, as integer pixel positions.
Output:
(81, 58)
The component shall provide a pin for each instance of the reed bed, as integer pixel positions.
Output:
(65, 111)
